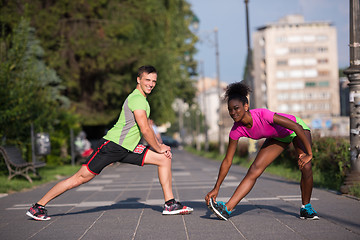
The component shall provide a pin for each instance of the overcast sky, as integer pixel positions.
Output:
(229, 17)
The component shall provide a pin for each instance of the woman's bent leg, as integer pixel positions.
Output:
(270, 150)
(306, 183)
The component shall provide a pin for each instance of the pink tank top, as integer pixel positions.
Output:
(263, 126)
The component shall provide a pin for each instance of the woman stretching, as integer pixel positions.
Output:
(279, 130)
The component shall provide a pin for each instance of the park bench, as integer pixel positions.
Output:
(16, 164)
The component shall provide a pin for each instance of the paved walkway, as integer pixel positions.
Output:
(125, 202)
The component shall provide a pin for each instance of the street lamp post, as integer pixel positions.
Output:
(353, 73)
(249, 80)
(247, 27)
(248, 77)
(221, 138)
(206, 145)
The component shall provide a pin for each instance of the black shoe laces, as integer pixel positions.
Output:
(42, 211)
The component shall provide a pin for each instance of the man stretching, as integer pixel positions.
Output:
(121, 144)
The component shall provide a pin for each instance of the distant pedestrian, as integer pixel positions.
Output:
(121, 144)
(280, 130)
(156, 131)
(82, 145)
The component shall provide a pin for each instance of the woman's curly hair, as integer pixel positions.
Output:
(238, 90)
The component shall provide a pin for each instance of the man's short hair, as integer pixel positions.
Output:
(146, 69)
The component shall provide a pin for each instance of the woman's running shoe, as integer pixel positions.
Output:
(220, 209)
(308, 212)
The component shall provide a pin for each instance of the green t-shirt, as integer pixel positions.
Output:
(126, 131)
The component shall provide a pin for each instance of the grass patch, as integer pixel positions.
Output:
(355, 190)
(47, 173)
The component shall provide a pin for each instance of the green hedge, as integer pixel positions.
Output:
(331, 161)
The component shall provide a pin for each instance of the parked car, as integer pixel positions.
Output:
(167, 140)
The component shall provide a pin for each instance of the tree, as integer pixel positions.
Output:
(29, 90)
(96, 46)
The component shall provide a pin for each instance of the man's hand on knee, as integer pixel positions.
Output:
(168, 154)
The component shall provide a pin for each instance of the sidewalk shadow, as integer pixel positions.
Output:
(243, 208)
(130, 203)
(134, 203)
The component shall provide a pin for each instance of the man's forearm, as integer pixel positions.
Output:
(150, 138)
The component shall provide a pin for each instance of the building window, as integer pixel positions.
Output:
(295, 50)
(322, 60)
(296, 108)
(300, 61)
(297, 96)
(322, 49)
(310, 84)
(324, 73)
(323, 106)
(310, 106)
(263, 76)
(309, 50)
(283, 96)
(296, 74)
(308, 96)
(263, 52)
(281, 74)
(283, 108)
(281, 51)
(322, 38)
(309, 38)
(263, 64)
(263, 87)
(297, 85)
(295, 62)
(310, 73)
(324, 95)
(291, 85)
(281, 39)
(294, 39)
(282, 86)
(281, 62)
(310, 61)
(262, 41)
(324, 84)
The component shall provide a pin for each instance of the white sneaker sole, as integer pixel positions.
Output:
(216, 212)
(37, 218)
(314, 218)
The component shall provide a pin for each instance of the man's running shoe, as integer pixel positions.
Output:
(38, 212)
(220, 209)
(176, 208)
(308, 212)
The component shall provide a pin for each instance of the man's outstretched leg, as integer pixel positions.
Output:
(38, 211)
(171, 207)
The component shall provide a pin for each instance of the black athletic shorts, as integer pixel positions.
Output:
(109, 152)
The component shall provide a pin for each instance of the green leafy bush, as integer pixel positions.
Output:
(332, 160)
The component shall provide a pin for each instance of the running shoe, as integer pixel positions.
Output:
(38, 212)
(308, 212)
(220, 209)
(176, 208)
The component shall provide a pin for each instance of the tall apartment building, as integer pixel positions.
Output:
(296, 68)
